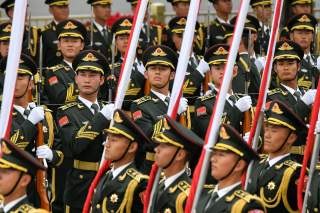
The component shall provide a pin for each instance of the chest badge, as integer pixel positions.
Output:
(271, 185)
(114, 198)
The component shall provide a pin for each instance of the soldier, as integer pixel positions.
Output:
(302, 30)
(274, 177)
(121, 188)
(82, 123)
(194, 77)
(216, 32)
(176, 147)
(30, 43)
(59, 80)
(160, 63)
(17, 170)
(100, 34)
(300, 6)
(25, 118)
(60, 12)
(180, 7)
(230, 157)
(121, 31)
(235, 105)
(5, 31)
(248, 71)
(262, 10)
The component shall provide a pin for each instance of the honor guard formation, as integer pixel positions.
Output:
(70, 148)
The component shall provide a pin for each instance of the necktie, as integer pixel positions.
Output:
(193, 62)
(297, 94)
(167, 100)
(308, 59)
(26, 112)
(161, 190)
(233, 99)
(95, 108)
(264, 169)
(105, 35)
(214, 196)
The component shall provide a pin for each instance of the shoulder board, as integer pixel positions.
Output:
(67, 106)
(134, 174)
(55, 68)
(243, 195)
(115, 65)
(292, 164)
(209, 186)
(184, 186)
(277, 90)
(206, 97)
(46, 27)
(38, 211)
(25, 208)
(46, 109)
(143, 99)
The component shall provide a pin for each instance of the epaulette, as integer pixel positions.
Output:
(55, 68)
(24, 208)
(277, 90)
(38, 211)
(183, 186)
(115, 65)
(263, 157)
(318, 166)
(46, 27)
(67, 106)
(142, 100)
(206, 97)
(288, 163)
(209, 186)
(134, 174)
(243, 195)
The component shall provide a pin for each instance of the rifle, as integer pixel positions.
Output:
(41, 180)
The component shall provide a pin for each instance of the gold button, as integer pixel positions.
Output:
(81, 176)
(98, 206)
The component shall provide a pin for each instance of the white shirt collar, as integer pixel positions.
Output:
(160, 95)
(21, 110)
(224, 191)
(222, 21)
(69, 63)
(13, 203)
(99, 26)
(117, 171)
(168, 181)
(88, 103)
(291, 90)
(276, 159)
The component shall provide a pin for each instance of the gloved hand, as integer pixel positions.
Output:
(203, 67)
(309, 96)
(183, 105)
(317, 129)
(44, 152)
(246, 136)
(36, 115)
(108, 111)
(141, 68)
(244, 103)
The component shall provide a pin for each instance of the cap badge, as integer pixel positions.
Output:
(117, 118)
(276, 109)
(89, 57)
(69, 26)
(285, 46)
(159, 52)
(221, 51)
(223, 134)
(304, 18)
(126, 23)
(182, 21)
(7, 28)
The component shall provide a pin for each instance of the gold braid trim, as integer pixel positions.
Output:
(281, 193)
(238, 206)
(49, 120)
(180, 201)
(201, 36)
(70, 97)
(159, 35)
(33, 50)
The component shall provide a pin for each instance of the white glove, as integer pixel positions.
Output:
(246, 136)
(44, 152)
(36, 115)
(183, 105)
(309, 96)
(317, 129)
(244, 103)
(108, 111)
(141, 68)
(203, 67)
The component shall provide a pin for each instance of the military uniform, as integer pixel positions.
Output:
(122, 191)
(82, 136)
(5, 31)
(275, 180)
(313, 204)
(59, 80)
(216, 32)
(172, 195)
(15, 159)
(308, 74)
(230, 198)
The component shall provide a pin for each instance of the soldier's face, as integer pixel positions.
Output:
(102, 12)
(88, 82)
(164, 153)
(115, 146)
(23, 84)
(217, 72)
(60, 13)
(223, 6)
(177, 40)
(4, 48)
(275, 136)
(302, 37)
(122, 43)
(70, 47)
(181, 8)
(221, 163)
(159, 76)
(263, 13)
(8, 178)
(302, 8)
(286, 69)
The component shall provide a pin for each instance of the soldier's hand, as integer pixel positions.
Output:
(183, 105)
(244, 103)
(246, 136)
(309, 96)
(44, 152)
(108, 111)
(36, 115)
(203, 67)
(317, 129)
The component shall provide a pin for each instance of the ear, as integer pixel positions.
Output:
(146, 74)
(76, 78)
(133, 147)
(172, 74)
(82, 45)
(298, 65)
(58, 45)
(25, 180)
(31, 84)
(50, 10)
(241, 165)
(101, 80)
(291, 35)
(182, 154)
(292, 138)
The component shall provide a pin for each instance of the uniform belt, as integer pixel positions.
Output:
(192, 108)
(84, 165)
(150, 156)
(298, 150)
